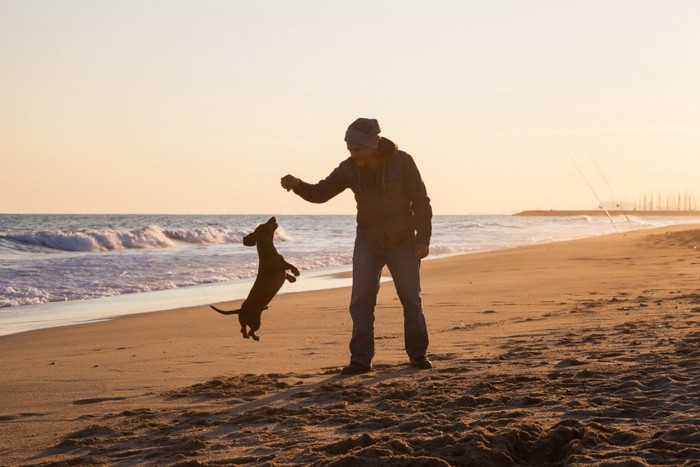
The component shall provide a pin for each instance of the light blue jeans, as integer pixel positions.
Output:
(367, 263)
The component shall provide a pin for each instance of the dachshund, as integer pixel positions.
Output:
(272, 272)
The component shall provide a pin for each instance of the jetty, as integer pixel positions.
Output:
(601, 212)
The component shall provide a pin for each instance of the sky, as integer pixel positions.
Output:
(200, 107)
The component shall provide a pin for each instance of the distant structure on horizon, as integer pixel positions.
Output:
(679, 204)
(681, 201)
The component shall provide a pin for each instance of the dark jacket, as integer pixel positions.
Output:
(392, 202)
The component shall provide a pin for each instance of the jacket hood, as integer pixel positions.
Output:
(386, 148)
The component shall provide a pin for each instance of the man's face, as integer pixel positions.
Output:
(362, 155)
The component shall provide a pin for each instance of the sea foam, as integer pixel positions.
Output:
(151, 236)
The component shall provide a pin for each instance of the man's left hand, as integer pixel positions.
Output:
(422, 251)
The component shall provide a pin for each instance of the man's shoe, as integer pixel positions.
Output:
(421, 362)
(356, 368)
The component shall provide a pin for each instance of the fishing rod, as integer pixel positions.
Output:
(602, 206)
(612, 192)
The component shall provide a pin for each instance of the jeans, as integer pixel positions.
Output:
(367, 263)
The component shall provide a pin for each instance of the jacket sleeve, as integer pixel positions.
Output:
(325, 189)
(420, 204)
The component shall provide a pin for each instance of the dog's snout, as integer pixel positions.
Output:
(272, 223)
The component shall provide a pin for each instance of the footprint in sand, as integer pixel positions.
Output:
(569, 362)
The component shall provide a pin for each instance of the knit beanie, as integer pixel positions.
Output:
(364, 131)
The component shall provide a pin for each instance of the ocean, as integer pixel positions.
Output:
(65, 269)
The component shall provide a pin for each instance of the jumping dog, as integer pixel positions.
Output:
(272, 272)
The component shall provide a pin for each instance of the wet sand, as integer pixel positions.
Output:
(574, 353)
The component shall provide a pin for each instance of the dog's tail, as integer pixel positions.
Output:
(224, 312)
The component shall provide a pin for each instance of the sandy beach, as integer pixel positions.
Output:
(583, 352)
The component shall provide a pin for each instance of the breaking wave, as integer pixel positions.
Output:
(151, 236)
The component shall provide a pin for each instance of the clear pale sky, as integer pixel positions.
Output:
(178, 106)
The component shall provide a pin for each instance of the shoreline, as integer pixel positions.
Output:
(572, 352)
(30, 317)
(67, 280)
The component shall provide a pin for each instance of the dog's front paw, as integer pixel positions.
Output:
(295, 271)
(291, 278)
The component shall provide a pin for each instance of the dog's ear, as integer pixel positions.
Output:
(272, 220)
(249, 240)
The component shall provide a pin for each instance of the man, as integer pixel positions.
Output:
(393, 229)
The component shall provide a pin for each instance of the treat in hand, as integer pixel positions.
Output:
(289, 182)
